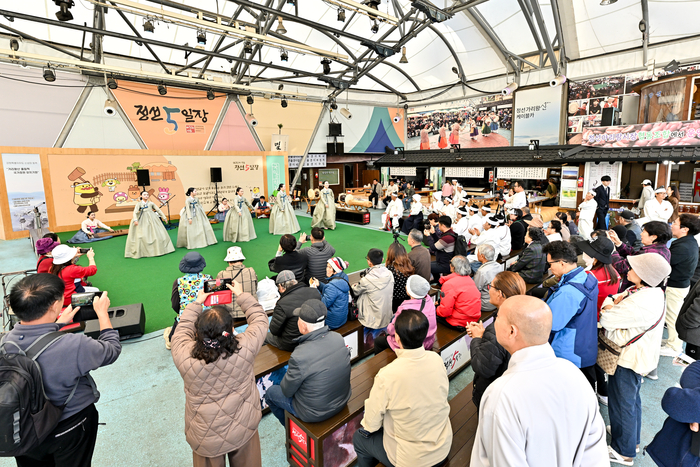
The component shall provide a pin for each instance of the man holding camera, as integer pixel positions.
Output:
(65, 365)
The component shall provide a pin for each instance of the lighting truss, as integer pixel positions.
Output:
(364, 10)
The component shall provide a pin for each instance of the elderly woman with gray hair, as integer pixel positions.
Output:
(486, 255)
(460, 300)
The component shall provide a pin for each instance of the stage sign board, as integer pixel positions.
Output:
(25, 189)
(644, 134)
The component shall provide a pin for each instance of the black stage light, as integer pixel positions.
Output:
(284, 103)
(341, 15)
(148, 26)
(210, 95)
(64, 14)
(49, 75)
(162, 90)
(250, 100)
(112, 83)
(326, 66)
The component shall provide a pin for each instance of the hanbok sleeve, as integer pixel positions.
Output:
(135, 217)
(157, 210)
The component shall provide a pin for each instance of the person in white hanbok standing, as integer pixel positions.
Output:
(238, 226)
(586, 215)
(282, 217)
(194, 230)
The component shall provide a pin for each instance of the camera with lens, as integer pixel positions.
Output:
(82, 251)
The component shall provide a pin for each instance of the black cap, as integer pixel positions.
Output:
(601, 249)
(629, 215)
(311, 311)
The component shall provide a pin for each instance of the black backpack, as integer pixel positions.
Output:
(461, 245)
(27, 416)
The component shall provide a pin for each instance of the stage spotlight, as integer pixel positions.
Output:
(110, 107)
(375, 27)
(346, 113)
(14, 44)
(49, 75)
(672, 67)
(280, 87)
(510, 88)
(112, 83)
(326, 66)
(341, 15)
(334, 106)
(201, 37)
(280, 27)
(162, 90)
(250, 100)
(148, 26)
(403, 55)
(210, 95)
(284, 56)
(63, 14)
(284, 103)
(558, 81)
(248, 47)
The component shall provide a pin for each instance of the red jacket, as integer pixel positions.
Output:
(69, 274)
(43, 264)
(461, 303)
(604, 286)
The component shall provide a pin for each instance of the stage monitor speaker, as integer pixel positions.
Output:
(335, 129)
(335, 149)
(215, 173)
(128, 320)
(608, 116)
(143, 177)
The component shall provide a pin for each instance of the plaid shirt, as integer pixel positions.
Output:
(244, 276)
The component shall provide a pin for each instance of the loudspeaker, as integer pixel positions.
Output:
(143, 177)
(335, 149)
(128, 320)
(608, 116)
(215, 173)
(335, 129)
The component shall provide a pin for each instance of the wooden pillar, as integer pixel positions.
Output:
(662, 175)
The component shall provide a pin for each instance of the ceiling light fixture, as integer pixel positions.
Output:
(380, 50)
(250, 100)
(63, 14)
(284, 56)
(284, 103)
(248, 47)
(280, 27)
(510, 88)
(433, 13)
(210, 95)
(607, 2)
(642, 26)
(14, 44)
(341, 15)
(334, 106)
(201, 37)
(375, 27)
(280, 87)
(49, 75)
(326, 66)
(403, 55)
(162, 90)
(148, 25)
(112, 83)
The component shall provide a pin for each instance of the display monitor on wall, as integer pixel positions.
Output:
(330, 175)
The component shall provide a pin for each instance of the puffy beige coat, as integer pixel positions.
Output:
(222, 408)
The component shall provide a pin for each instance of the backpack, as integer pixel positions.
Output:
(27, 416)
(353, 312)
(461, 245)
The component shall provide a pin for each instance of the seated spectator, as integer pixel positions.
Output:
(374, 292)
(407, 416)
(489, 358)
(65, 366)
(241, 274)
(526, 214)
(267, 294)
(574, 309)
(216, 365)
(262, 209)
(502, 235)
(574, 240)
(283, 325)
(553, 231)
(417, 289)
(628, 220)
(433, 220)
(489, 268)
(334, 293)
(655, 235)
(400, 266)
(461, 225)
(536, 221)
(460, 300)
(289, 259)
(415, 217)
(64, 266)
(518, 228)
(419, 255)
(442, 246)
(570, 226)
(317, 383)
(317, 254)
(44, 247)
(487, 234)
(532, 263)
(186, 288)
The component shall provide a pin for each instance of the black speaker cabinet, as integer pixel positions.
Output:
(129, 320)
(215, 173)
(335, 129)
(608, 116)
(143, 177)
(335, 149)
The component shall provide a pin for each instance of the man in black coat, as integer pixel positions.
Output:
(289, 259)
(602, 197)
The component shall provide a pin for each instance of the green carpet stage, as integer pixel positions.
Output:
(150, 280)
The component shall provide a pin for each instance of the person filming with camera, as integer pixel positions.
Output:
(73, 276)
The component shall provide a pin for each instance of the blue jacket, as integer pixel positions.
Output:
(335, 295)
(574, 318)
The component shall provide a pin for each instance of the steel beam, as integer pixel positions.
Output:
(492, 39)
(461, 6)
(568, 26)
(220, 41)
(98, 22)
(40, 41)
(534, 4)
(135, 31)
(645, 34)
(530, 23)
(560, 35)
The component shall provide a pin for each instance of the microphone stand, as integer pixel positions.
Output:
(169, 225)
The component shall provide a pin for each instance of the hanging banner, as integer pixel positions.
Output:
(25, 191)
(465, 172)
(403, 171)
(644, 134)
(312, 160)
(280, 143)
(537, 115)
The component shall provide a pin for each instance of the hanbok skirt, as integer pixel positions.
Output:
(283, 222)
(81, 237)
(149, 238)
(199, 234)
(324, 217)
(239, 228)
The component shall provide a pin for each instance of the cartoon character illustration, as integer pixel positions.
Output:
(163, 194)
(120, 197)
(111, 183)
(85, 194)
(256, 192)
(134, 192)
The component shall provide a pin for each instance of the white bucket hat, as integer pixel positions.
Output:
(63, 253)
(234, 254)
(650, 267)
(416, 198)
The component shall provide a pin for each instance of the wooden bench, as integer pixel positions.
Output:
(453, 346)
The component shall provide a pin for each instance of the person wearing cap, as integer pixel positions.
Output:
(88, 228)
(657, 208)
(503, 236)
(324, 212)
(461, 225)
(65, 266)
(518, 229)
(602, 199)
(283, 325)
(638, 311)
(647, 194)
(436, 205)
(317, 254)
(374, 292)
(289, 258)
(222, 402)
(334, 292)
(407, 416)
(519, 199)
(147, 235)
(415, 217)
(460, 300)
(393, 212)
(535, 221)
(586, 213)
(476, 220)
(487, 234)
(186, 288)
(447, 208)
(458, 195)
(532, 263)
(627, 219)
(672, 445)
(417, 290)
(317, 383)
(684, 260)
(655, 235)
(443, 247)
(44, 247)
(236, 271)
(419, 255)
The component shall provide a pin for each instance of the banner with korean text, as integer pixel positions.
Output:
(644, 134)
(25, 191)
(537, 115)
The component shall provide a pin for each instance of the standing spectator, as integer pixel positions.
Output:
(489, 358)
(518, 229)
(288, 258)
(684, 260)
(627, 219)
(442, 247)
(399, 264)
(73, 276)
(335, 292)
(317, 255)
(374, 292)
(375, 194)
(460, 301)
(532, 263)
(647, 194)
(655, 234)
(222, 403)
(44, 247)
(657, 208)
(587, 210)
(419, 255)
(551, 193)
(625, 317)
(407, 416)
(527, 416)
(236, 271)
(447, 189)
(688, 322)
(186, 288)
(283, 326)
(602, 198)
(317, 383)
(65, 365)
(574, 309)
(673, 197)
(486, 255)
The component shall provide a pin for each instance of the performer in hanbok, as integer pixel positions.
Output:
(586, 215)
(447, 208)
(415, 217)
(437, 204)
(475, 130)
(282, 217)
(224, 207)
(238, 226)
(195, 229)
(442, 138)
(147, 234)
(454, 134)
(88, 228)
(393, 212)
(324, 212)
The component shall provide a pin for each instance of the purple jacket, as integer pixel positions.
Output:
(428, 311)
(622, 266)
